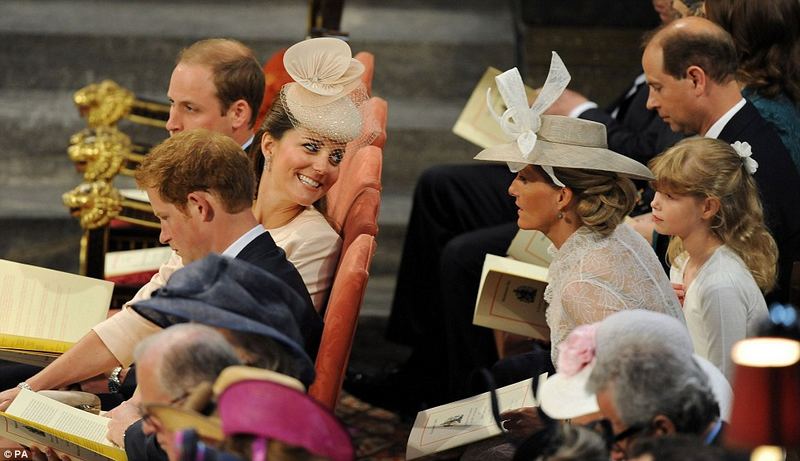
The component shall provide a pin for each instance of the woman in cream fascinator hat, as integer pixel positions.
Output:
(573, 189)
(306, 133)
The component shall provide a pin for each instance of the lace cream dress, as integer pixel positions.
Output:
(592, 276)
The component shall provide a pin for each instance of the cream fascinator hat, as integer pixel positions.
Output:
(327, 94)
(552, 140)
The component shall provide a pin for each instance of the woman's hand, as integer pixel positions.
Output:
(522, 422)
(96, 385)
(42, 453)
(680, 292)
(7, 396)
(121, 418)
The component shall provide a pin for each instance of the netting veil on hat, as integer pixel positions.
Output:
(550, 140)
(327, 95)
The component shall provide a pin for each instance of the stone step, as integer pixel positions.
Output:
(394, 20)
(42, 61)
(52, 242)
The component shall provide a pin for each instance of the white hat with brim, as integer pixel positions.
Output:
(565, 397)
(565, 142)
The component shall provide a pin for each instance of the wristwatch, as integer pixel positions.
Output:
(114, 383)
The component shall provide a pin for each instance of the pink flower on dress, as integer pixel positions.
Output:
(578, 350)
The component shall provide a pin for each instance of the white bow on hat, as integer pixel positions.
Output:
(519, 122)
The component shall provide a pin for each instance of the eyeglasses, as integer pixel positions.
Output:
(149, 418)
(605, 429)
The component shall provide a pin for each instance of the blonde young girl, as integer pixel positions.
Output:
(722, 255)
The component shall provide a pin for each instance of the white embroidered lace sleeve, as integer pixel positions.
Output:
(593, 276)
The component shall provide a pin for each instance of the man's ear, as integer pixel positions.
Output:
(698, 78)
(710, 207)
(201, 204)
(662, 425)
(240, 113)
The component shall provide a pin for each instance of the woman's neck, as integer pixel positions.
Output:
(563, 229)
(700, 245)
(272, 211)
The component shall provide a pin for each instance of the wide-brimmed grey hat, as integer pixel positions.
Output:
(230, 293)
(565, 142)
(552, 140)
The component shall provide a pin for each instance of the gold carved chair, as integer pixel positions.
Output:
(113, 220)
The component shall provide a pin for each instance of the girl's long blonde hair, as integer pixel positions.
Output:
(710, 168)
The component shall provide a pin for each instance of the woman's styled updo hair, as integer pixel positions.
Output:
(710, 168)
(602, 199)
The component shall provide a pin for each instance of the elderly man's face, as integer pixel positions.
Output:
(151, 391)
(672, 98)
(605, 401)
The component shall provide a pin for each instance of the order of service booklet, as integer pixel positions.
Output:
(33, 419)
(511, 294)
(43, 312)
(476, 124)
(466, 421)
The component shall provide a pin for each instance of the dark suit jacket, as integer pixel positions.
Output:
(778, 185)
(142, 447)
(264, 253)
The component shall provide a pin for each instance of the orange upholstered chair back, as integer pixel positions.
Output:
(376, 113)
(362, 218)
(368, 59)
(362, 169)
(341, 319)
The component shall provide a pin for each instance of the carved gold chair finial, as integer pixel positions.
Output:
(94, 203)
(99, 152)
(104, 103)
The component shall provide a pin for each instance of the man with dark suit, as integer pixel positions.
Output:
(198, 189)
(690, 66)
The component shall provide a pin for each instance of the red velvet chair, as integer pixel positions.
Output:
(359, 171)
(368, 59)
(377, 110)
(341, 319)
(362, 218)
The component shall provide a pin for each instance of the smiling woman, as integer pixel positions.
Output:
(306, 134)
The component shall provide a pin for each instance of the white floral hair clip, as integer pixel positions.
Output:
(520, 122)
(744, 151)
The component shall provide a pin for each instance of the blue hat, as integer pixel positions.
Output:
(230, 293)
